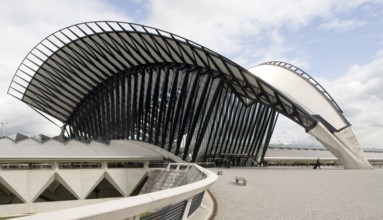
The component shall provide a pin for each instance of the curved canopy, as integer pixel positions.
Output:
(67, 65)
(70, 65)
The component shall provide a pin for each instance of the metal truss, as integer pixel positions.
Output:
(179, 107)
(84, 75)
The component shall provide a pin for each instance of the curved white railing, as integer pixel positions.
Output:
(134, 207)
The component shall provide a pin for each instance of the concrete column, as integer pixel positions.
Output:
(187, 208)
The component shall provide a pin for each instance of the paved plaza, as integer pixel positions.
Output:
(299, 193)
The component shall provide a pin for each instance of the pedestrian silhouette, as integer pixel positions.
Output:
(317, 164)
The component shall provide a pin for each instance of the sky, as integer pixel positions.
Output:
(339, 43)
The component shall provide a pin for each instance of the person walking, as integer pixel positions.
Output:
(317, 164)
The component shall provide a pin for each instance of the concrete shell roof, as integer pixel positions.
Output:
(31, 149)
(68, 65)
(304, 90)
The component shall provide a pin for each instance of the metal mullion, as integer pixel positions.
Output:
(129, 105)
(177, 120)
(260, 121)
(192, 94)
(203, 125)
(254, 137)
(72, 68)
(97, 113)
(77, 61)
(86, 44)
(45, 85)
(295, 116)
(171, 50)
(93, 118)
(43, 105)
(211, 60)
(99, 51)
(251, 128)
(83, 60)
(62, 69)
(180, 54)
(89, 47)
(158, 44)
(103, 112)
(102, 51)
(137, 44)
(115, 49)
(81, 124)
(147, 111)
(169, 111)
(185, 52)
(105, 97)
(236, 130)
(123, 105)
(239, 133)
(53, 77)
(17, 83)
(141, 104)
(238, 81)
(263, 130)
(112, 98)
(155, 109)
(206, 106)
(117, 101)
(74, 128)
(161, 114)
(50, 100)
(127, 46)
(69, 46)
(244, 126)
(91, 51)
(134, 107)
(21, 78)
(195, 117)
(60, 82)
(223, 121)
(269, 134)
(195, 53)
(77, 128)
(87, 121)
(216, 123)
(244, 130)
(147, 44)
(230, 123)
(131, 46)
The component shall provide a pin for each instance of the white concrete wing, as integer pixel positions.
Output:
(332, 129)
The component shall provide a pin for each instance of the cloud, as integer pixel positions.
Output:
(248, 32)
(25, 23)
(359, 93)
(342, 25)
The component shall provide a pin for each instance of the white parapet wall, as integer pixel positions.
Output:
(133, 207)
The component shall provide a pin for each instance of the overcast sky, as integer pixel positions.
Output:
(339, 43)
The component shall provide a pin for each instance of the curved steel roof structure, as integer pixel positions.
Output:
(168, 80)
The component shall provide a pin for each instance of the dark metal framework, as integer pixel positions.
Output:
(179, 107)
(118, 80)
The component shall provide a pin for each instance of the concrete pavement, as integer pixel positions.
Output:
(299, 193)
